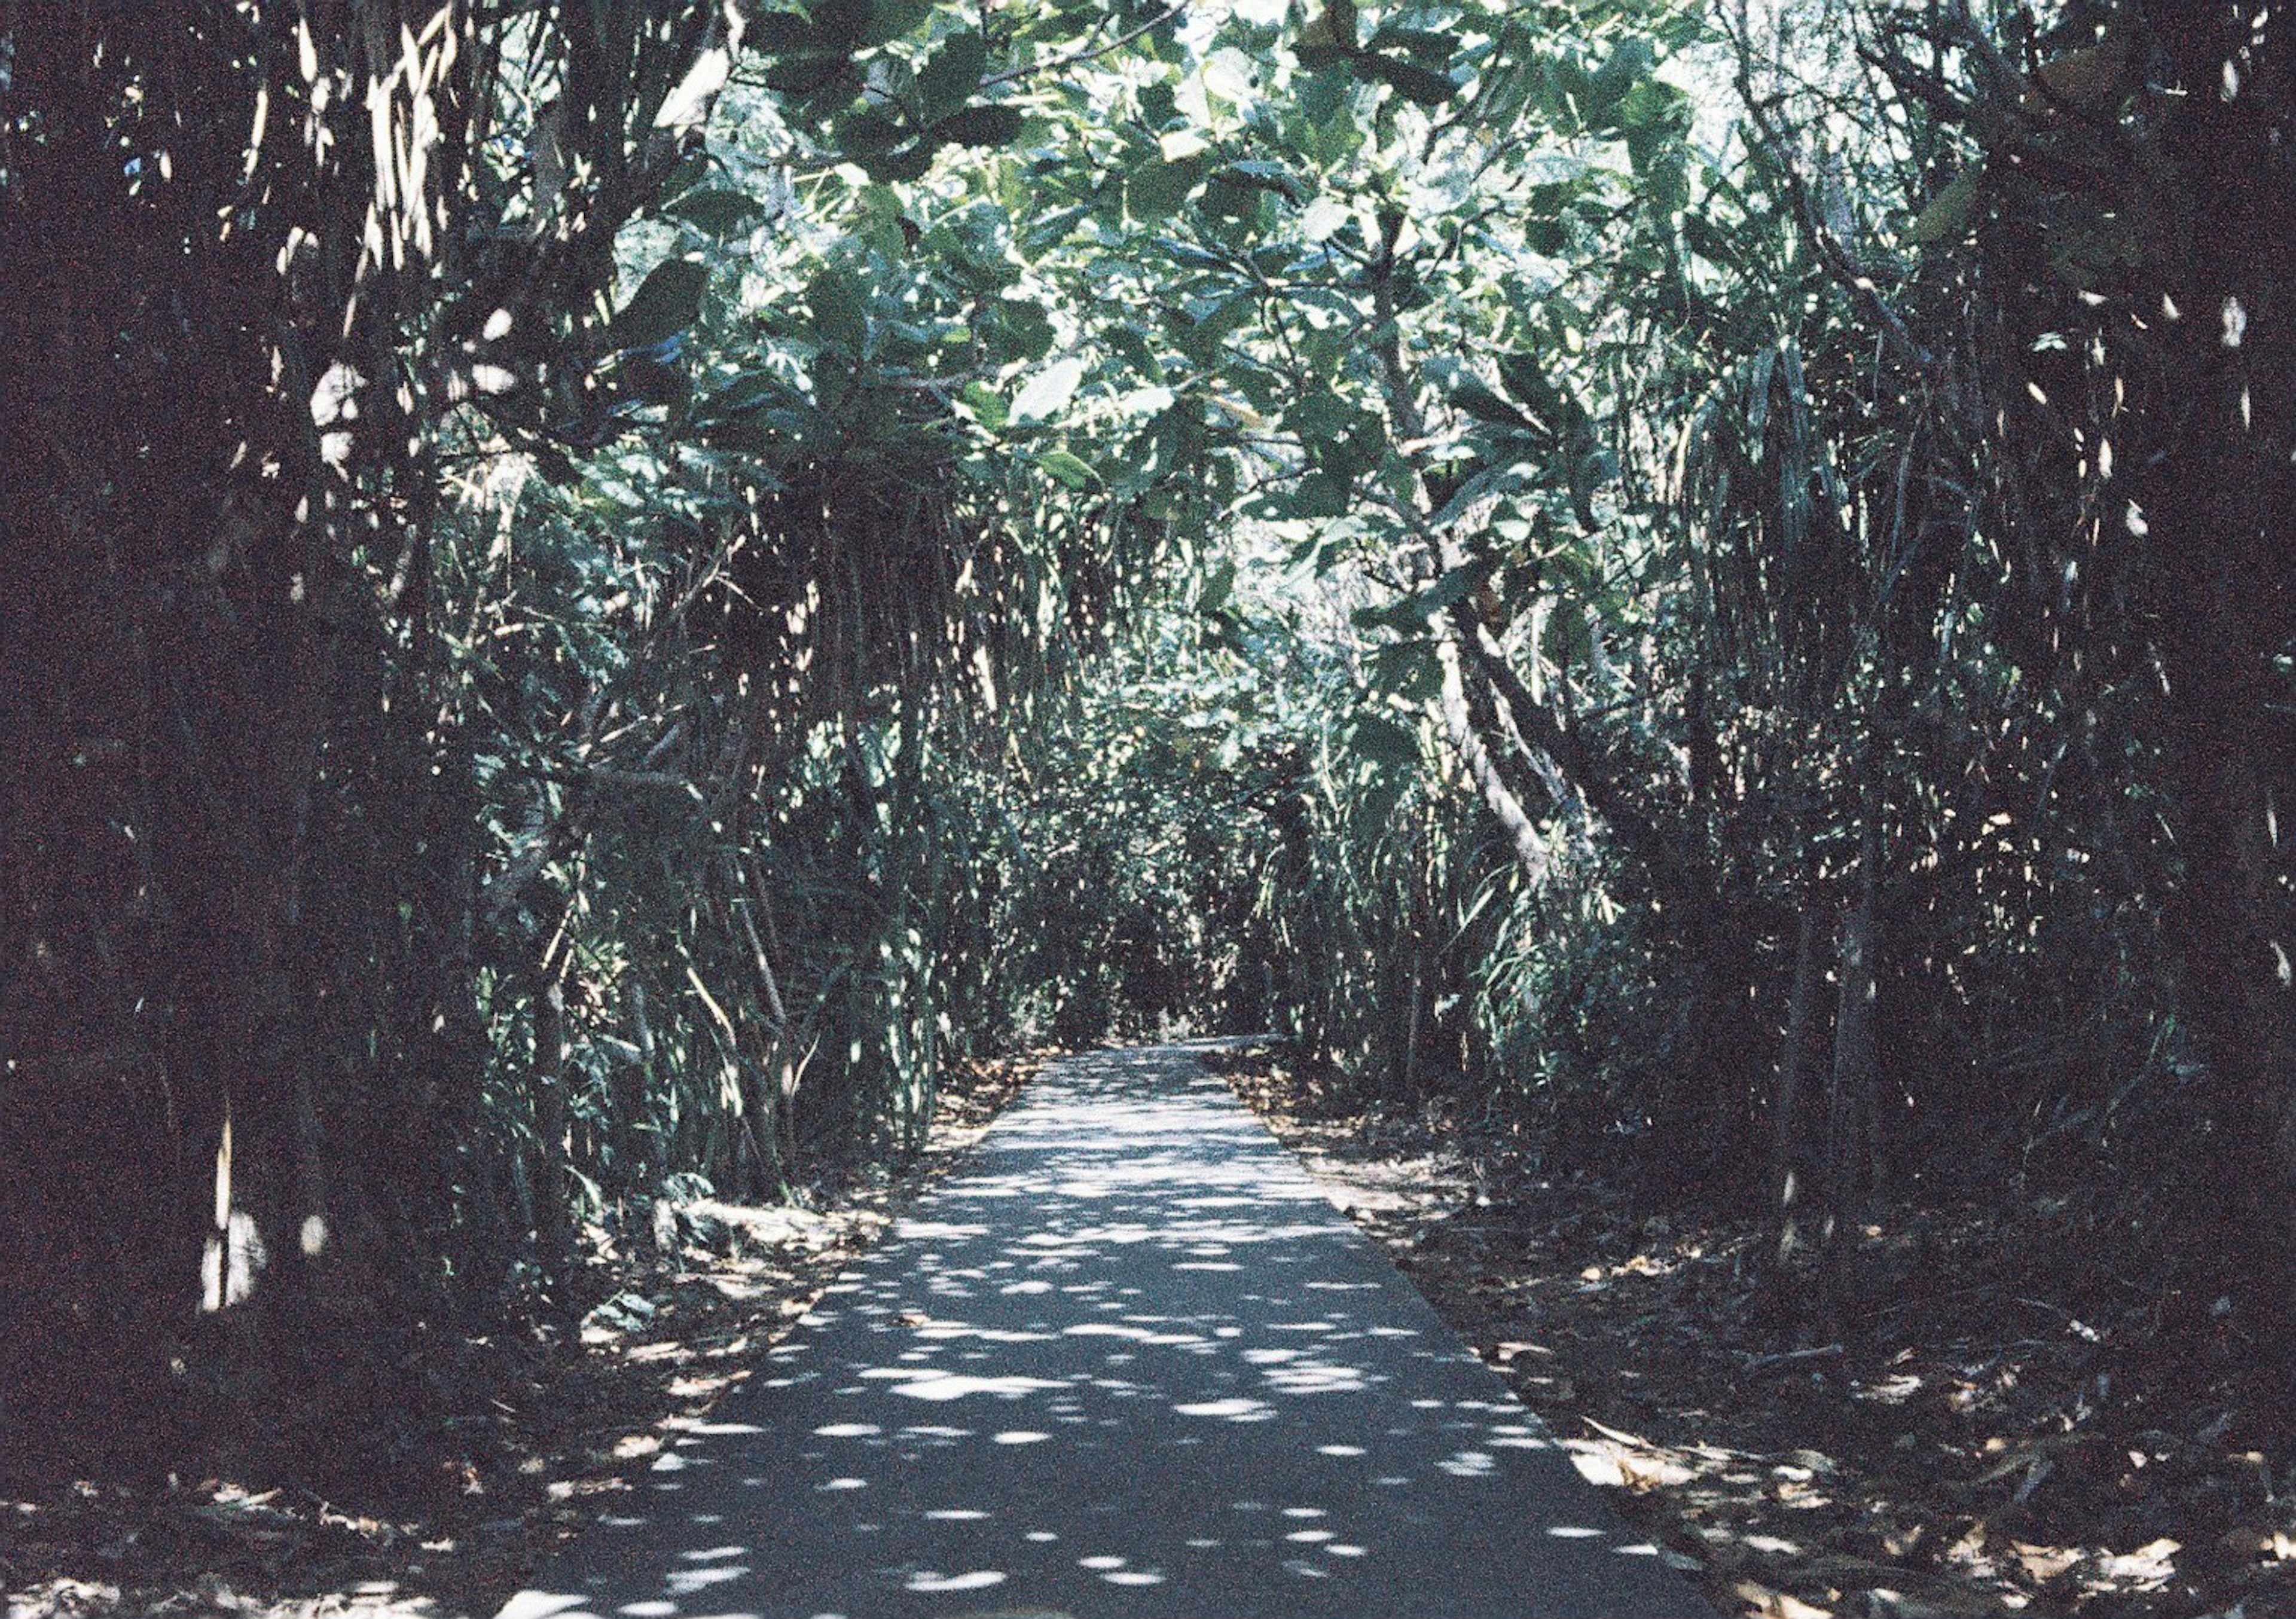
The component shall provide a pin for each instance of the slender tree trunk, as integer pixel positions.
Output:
(554, 1223)
(1787, 1170)
(1849, 1123)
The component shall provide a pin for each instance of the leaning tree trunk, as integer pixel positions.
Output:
(2220, 506)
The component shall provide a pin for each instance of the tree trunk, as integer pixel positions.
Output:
(2219, 501)
(1795, 1060)
(1851, 1121)
(554, 1221)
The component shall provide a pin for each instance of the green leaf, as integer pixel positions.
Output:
(1422, 45)
(717, 211)
(949, 81)
(890, 20)
(908, 162)
(1949, 213)
(1199, 336)
(866, 132)
(841, 310)
(1318, 495)
(1045, 393)
(1070, 469)
(983, 126)
(1452, 588)
(668, 301)
(1157, 189)
(1026, 327)
(1609, 83)
(745, 391)
(1379, 740)
(1407, 669)
(1131, 345)
(987, 405)
(1413, 82)
(1478, 402)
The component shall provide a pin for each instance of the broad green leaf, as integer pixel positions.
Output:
(1414, 83)
(868, 131)
(1324, 218)
(716, 211)
(1070, 469)
(1478, 402)
(1156, 189)
(949, 81)
(668, 301)
(891, 20)
(987, 405)
(746, 392)
(1949, 213)
(1407, 669)
(909, 162)
(980, 126)
(1626, 65)
(1379, 740)
(1026, 327)
(1132, 346)
(841, 310)
(1045, 393)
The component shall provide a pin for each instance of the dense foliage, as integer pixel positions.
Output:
(596, 593)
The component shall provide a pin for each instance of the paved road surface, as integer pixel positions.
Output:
(1126, 1361)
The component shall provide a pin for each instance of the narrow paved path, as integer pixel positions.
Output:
(1127, 1361)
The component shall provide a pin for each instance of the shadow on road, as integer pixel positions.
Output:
(1129, 1361)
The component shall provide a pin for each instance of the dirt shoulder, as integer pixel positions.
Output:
(524, 1466)
(1969, 1445)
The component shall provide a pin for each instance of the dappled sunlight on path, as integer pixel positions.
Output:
(1129, 1361)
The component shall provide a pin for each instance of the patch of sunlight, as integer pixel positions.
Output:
(1237, 1410)
(685, 1581)
(1318, 1378)
(956, 1385)
(980, 1579)
(539, 1605)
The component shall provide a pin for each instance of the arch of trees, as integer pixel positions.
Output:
(596, 592)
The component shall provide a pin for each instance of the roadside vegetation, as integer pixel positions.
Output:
(598, 597)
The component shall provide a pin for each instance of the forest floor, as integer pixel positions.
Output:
(1970, 1444)
(574, 1422)
(1985, 1439)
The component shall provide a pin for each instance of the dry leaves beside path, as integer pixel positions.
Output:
(1974, 1447)
(521, 1471)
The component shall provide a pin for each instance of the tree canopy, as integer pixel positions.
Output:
(598, 592)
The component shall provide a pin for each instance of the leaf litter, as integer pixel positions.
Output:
(1995, 1434)
(557, 1423)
